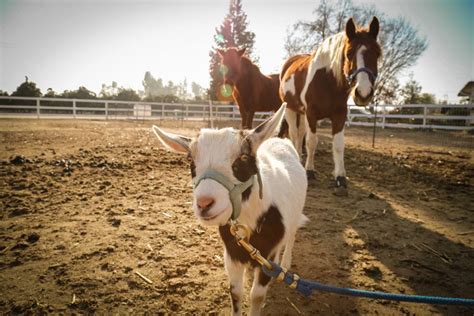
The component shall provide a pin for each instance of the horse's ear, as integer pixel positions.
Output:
(221, 52)
(374, 27)
(241, 52)
(350, 29)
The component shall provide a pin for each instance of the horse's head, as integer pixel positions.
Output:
(361, 56)
(230, 64)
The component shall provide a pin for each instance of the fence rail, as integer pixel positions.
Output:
(450, 117)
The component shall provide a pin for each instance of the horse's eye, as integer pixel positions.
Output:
(244, 157)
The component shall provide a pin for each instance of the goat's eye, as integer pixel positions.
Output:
(244, 167)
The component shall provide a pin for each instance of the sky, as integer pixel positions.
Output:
(64, 44)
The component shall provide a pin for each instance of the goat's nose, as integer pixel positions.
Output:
(204, 203)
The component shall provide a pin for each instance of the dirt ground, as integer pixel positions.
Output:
(84, 205)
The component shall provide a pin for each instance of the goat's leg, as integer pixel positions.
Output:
(287, 253)
(258, 291)
(235, 271)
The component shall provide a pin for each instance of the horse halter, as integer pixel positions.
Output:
(350, 78)
(235, 190)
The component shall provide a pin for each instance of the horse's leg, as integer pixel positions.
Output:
(293, 129)
(243, 116)
(311, 144)
(235, 272)
(338, 155)
(250, 115)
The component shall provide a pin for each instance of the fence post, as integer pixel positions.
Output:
(186, 114)
(162, 111)
(210, 114)
(424, 116)
(37, 108)
(383, 116)
(74, 108)
(106, 110)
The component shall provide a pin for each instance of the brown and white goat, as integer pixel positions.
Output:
(273, 217)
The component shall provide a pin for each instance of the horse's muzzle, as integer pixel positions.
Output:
(363, 101)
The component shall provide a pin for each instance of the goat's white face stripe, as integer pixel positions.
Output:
(364, 86)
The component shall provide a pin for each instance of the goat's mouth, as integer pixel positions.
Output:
(209, 218)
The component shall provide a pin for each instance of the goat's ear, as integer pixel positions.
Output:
(171, 141)
(267, 129)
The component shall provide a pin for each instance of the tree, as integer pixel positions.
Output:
(197, 90)
(108, 92)
(390, 93)
(231, 33)
(51, 93)
(401, 44)
(27, 89)
(81, 93)
(427, 98)
(170, 89)
(410, 91)
(182, 90)
(153, 87)
(127, 95)
(411, 94)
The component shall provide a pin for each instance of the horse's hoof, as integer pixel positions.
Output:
(341, 186)
(310, 174)
(341, 191)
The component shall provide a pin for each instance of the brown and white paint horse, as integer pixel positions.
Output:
(317, 86)
(252, 90)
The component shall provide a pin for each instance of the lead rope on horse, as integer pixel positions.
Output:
(306, 287)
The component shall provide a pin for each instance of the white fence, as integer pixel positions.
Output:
(451, 117)
(431, 116)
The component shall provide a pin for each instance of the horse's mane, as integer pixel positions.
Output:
(247, 62)
(332, 49)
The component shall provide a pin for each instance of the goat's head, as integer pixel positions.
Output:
(229, 152)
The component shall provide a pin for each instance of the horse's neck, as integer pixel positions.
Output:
(250, 72)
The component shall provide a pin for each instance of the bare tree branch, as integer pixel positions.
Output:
(400, 41)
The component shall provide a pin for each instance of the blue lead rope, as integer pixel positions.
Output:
(306, 287)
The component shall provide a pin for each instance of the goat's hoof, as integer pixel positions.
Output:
(310, 174)
(341, 186)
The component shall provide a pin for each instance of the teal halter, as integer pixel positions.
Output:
(235, 190)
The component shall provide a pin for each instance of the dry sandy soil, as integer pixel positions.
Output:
(86, 204)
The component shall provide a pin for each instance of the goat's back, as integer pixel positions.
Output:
(284, 178)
